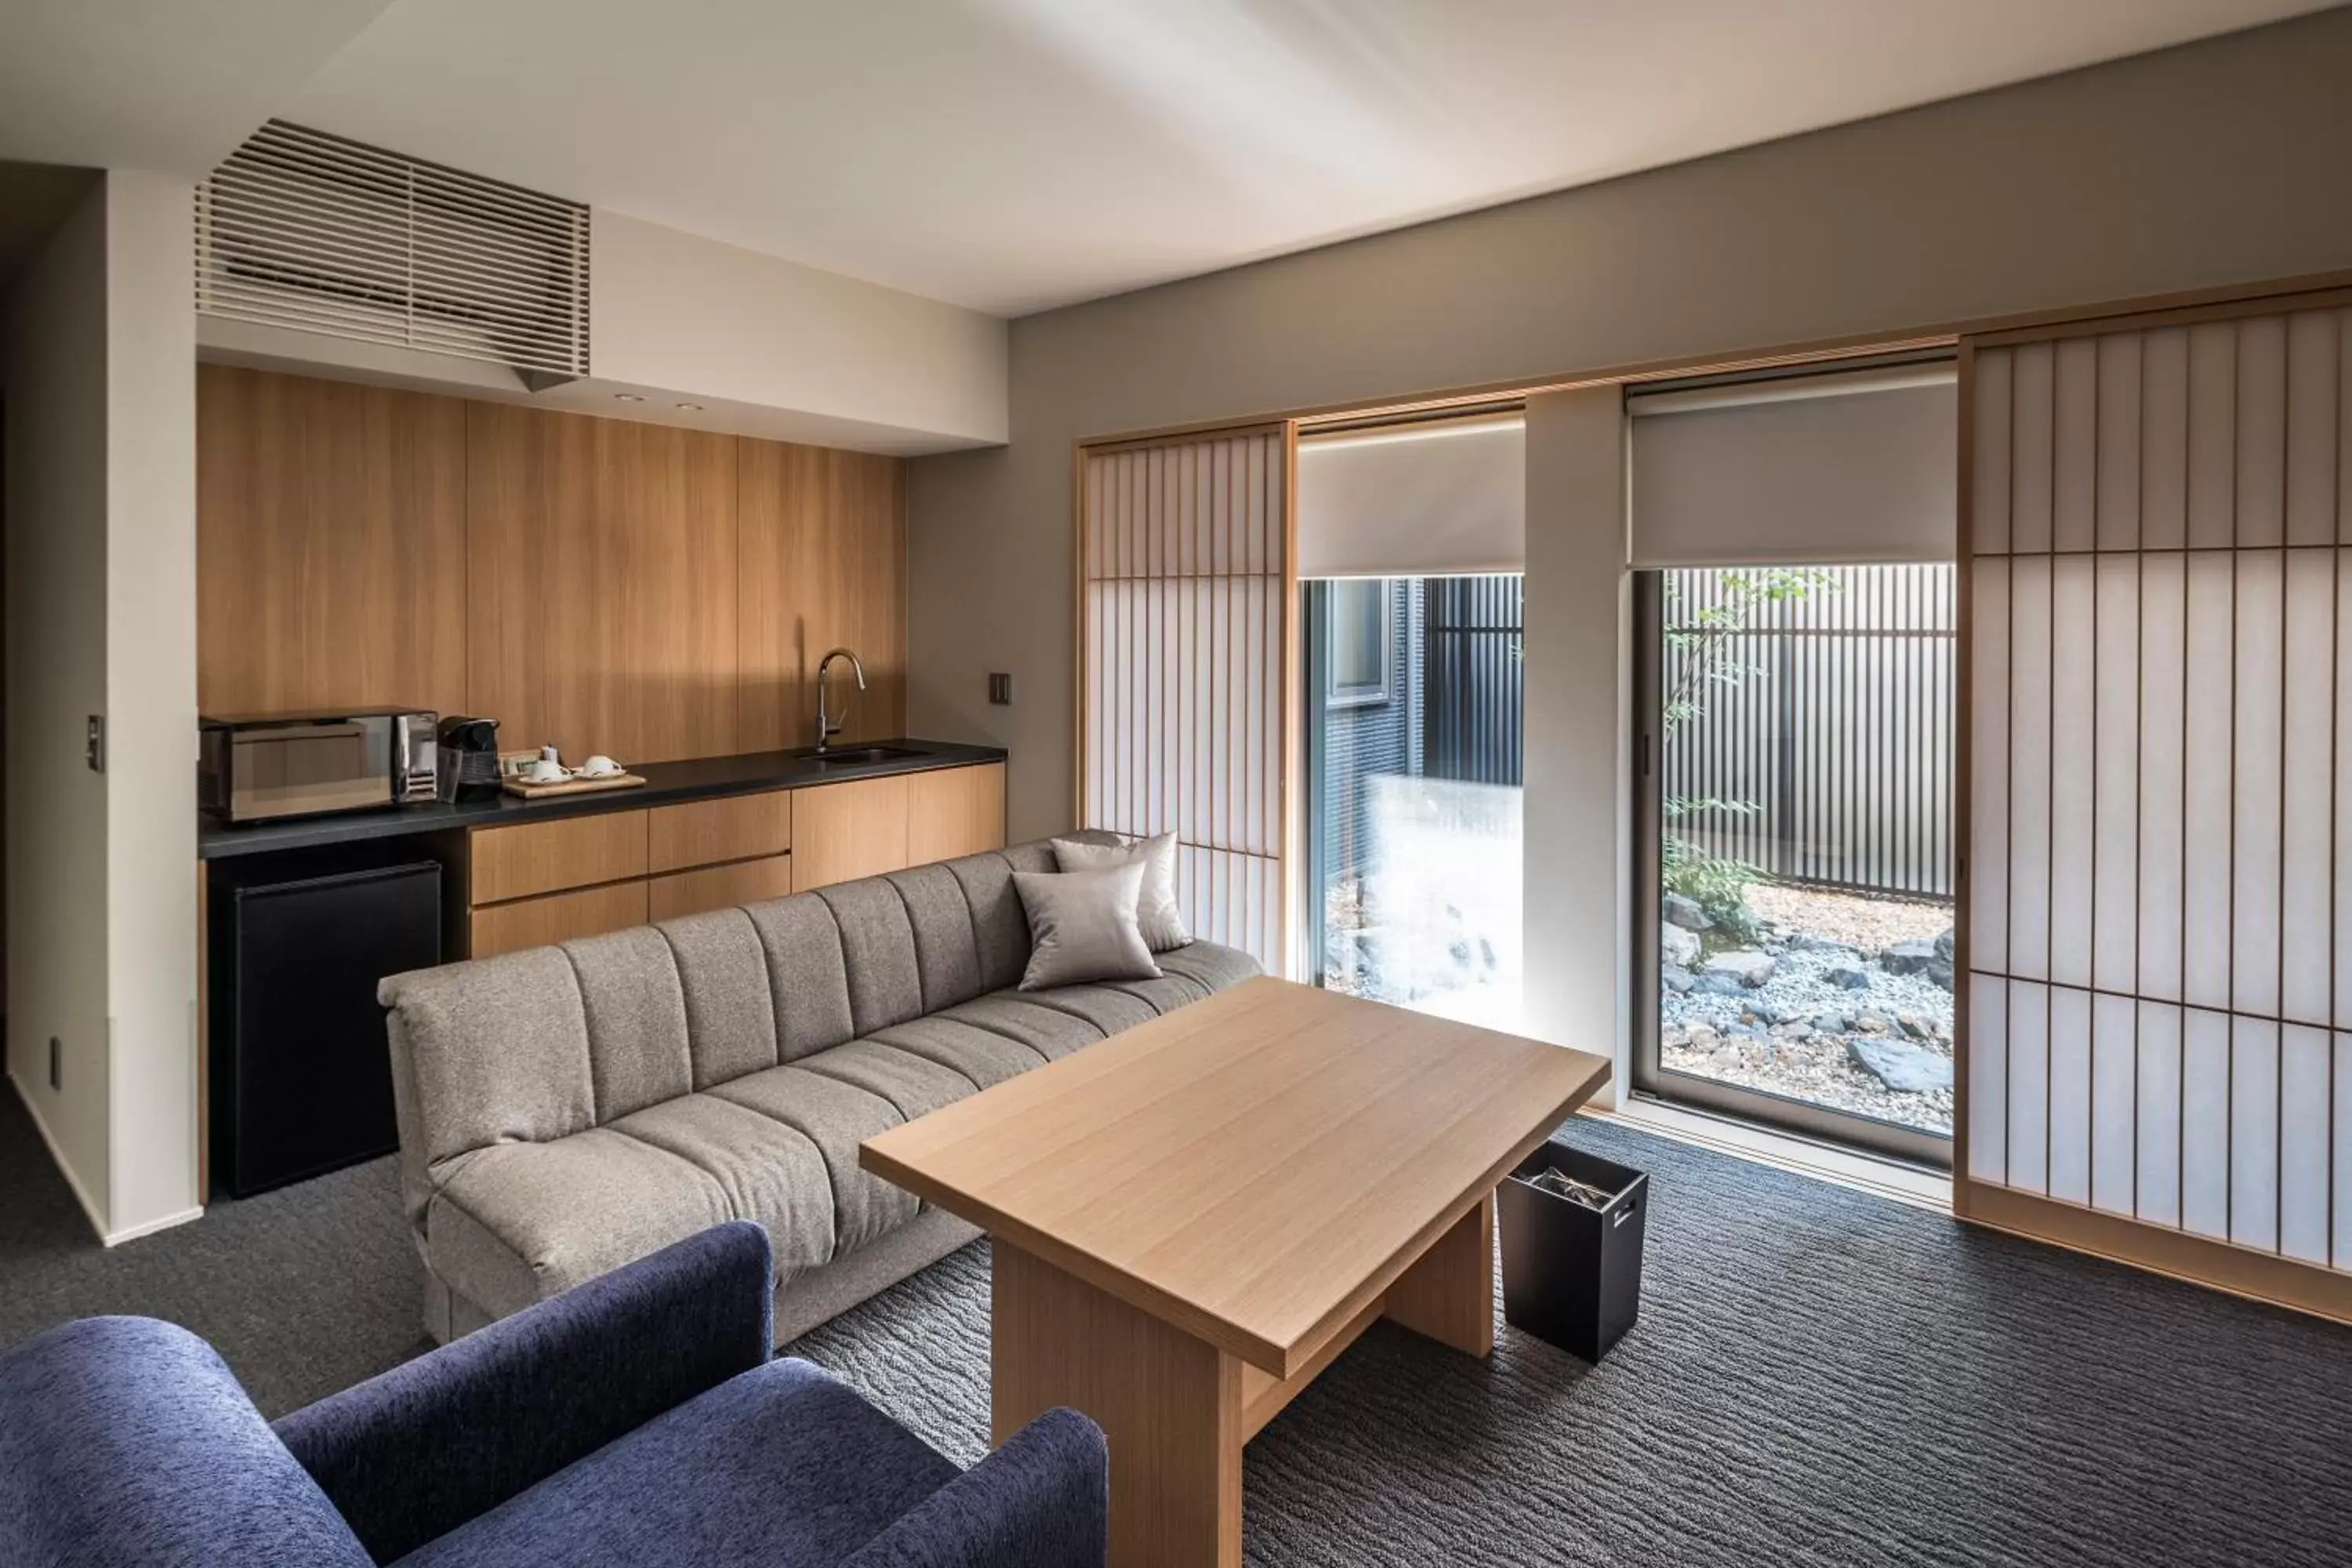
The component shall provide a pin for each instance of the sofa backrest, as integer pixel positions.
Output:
(538, 1045)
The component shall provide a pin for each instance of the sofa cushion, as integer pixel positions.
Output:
(636, 1011)
(878, 947)
(519, 1221)
(1106, 1009)
(947, 953)
(806, 975)
(771, 1171)
(913, 1085)
(835, 1116)
(987, 1058)
(1050, 1032)
(1212, 965)
(498, 1050)
(1000, 929)
(783, 1465)
(723, 969)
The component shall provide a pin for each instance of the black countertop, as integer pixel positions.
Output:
(667, 784)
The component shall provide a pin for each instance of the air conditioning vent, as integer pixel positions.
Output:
(309, 231)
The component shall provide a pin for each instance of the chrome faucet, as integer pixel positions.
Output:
(825, 729)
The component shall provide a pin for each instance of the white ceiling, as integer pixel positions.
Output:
(1015, 154)
(168, 84)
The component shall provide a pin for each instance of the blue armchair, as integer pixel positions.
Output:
(637, 1419)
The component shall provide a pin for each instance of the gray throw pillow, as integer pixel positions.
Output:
(1156, 914)
(1082, 926)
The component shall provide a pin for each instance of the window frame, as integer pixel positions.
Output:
(1363, 694)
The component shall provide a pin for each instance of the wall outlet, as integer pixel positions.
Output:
(1000, 690)
(56, 1063)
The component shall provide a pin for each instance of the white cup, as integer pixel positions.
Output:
(599, 766)
(545, 771)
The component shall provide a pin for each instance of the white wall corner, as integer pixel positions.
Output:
(150, 701)
(1579, 799)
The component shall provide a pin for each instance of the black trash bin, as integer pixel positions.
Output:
(1572, 1274)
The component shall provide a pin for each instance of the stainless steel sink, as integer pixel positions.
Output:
(838, 756)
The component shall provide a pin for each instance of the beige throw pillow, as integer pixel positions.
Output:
(1082, 926)
(1156, 914)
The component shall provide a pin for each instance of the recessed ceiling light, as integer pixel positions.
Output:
(691, 407)
(628, 397)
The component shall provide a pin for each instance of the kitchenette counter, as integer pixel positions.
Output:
(667, 784)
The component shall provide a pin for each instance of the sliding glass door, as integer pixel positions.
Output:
(1795, 941)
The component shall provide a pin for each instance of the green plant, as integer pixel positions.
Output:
(1699, 646)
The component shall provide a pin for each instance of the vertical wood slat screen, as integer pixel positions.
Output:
(2158, 884)
(1186, 574)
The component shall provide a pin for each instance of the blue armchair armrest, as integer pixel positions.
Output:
(125, 1441)
(1042, 1500)
(412, 1454)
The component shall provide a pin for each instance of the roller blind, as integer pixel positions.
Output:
(1851, 467)
(1441, 499)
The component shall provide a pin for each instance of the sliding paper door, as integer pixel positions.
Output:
(2158, 1023)
(1185, 654)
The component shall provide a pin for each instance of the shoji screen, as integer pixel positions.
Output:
(1185, 655)
(2158, 880)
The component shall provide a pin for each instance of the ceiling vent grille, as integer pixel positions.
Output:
(309, 231)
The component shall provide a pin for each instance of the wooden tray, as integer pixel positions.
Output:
(529, 791)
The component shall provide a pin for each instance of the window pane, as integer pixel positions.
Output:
(1415, 798)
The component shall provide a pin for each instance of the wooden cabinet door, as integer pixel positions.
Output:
(954, 811)
(533, 857)
(557, 917)
(844, 831)
(720, 886)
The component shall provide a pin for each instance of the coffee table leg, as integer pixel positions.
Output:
(1449, 1294)
(1171, 1406)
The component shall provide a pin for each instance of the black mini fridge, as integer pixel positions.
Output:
(301, 1075)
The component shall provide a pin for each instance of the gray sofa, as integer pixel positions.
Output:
(567, 1109)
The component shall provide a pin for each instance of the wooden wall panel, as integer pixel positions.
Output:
(602, 597)
(824, 565)
(605, 584)
(330, 539)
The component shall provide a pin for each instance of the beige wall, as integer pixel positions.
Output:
(2216, 163)
(100, 378)
(151, 702)
(53, 378)
(1577, 872)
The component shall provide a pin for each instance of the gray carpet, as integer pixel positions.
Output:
(1818, 1377)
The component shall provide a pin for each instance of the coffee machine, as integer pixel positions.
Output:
(469, 759)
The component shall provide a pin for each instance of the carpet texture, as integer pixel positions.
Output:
(1818, 1377)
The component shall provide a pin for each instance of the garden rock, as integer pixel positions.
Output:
(1847, 976)
(1902, 1069)
(1869, 1023)
(1678, 910)
(1908, 957)
(1913, 1026)
(1940, 974)
(1674, 978)
(1944, 945)
(1830, 1023)
(1713, 981)
(1677, 946)
(1746, 967)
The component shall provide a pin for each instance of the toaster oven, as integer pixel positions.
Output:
(263, 766)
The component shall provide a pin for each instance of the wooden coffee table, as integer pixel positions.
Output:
(1195, 1218)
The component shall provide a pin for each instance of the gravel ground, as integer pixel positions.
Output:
(1789, 1035)
(1865, 923)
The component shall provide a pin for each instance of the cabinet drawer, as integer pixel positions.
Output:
(535, 858)
(705, 832)
(557, 917)
(721, 887)
(953, 812)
